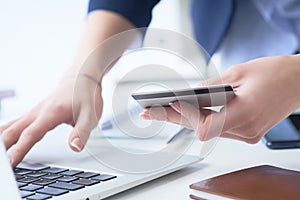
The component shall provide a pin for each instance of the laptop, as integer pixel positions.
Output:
(52, 171)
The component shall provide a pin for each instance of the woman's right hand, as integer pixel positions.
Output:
(76, 101)
(267, 91)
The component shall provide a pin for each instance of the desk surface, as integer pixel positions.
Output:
(228, 156)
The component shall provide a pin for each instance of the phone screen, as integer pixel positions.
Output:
(285, 134)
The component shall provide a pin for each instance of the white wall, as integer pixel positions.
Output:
(37, 41)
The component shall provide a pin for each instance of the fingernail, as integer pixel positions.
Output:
(175, 106)
(76, 143)
(144, 116)
(147, 112)
(11, 161)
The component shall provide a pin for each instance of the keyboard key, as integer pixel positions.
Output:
(67, 179)
(39, 197)
(66, 186)
(28, 180)
(87, 175)
(71, 172)
(52, 176)
(18, 177)
(26, 193)
(36, 174)
(104, 177)
(31, 187)
(52, 191)
(54, 170)
(32, 167)
(85, 182)
(21, 184)
(21, 171)
(44, 182)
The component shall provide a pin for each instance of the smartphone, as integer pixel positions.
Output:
(208, 96)
(285, 135)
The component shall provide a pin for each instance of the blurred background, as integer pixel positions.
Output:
(38, 40)
(40, 37)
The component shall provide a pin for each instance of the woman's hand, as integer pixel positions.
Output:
(79, 106)
(267, 90)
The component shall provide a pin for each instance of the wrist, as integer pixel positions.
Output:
(84, 76)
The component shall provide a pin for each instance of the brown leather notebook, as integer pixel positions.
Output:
(261, 182)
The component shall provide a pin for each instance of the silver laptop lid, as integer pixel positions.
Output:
(8, 185)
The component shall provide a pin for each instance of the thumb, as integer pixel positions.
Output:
(75, 142)
(79, 135)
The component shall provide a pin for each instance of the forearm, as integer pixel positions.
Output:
(295, 78)
(100, 26)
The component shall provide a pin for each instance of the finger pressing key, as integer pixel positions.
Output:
(8, 124)
(32, 134)
(11, 134)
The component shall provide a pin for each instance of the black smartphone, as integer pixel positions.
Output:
(285, 135)
(215, 95)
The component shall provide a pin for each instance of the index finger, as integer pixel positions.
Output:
(31, 135)
(8, 124)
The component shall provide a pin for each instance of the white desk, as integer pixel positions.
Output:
(228, 156)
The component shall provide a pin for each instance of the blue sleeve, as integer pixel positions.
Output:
(138, 12)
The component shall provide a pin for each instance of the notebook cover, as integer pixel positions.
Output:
(260, 183)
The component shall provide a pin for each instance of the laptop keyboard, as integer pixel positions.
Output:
(39, 182)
